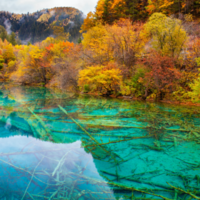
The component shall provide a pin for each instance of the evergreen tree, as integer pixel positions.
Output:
(12, 39)
(106, 14)
(3, 33)
(79, 40)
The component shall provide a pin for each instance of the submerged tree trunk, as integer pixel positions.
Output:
(160, 96)
(44, 75)
(147, 93)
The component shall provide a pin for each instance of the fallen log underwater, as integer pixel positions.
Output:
(103, 151)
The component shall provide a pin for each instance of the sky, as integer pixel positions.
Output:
(25, 6)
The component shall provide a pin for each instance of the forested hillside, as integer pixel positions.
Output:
(142, 49)
(108, 11)
(38, 26)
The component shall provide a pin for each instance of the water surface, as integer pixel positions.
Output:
(56, 145)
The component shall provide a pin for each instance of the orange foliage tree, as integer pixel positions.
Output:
(35, 63)
(121, 42)
(162, 75)
(89, 22)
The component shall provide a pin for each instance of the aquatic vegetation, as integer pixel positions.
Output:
(82, 147)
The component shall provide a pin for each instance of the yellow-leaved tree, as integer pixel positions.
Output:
(121, 42)
(95, 43)
(195, 86)
(159, 6)
(89, 22)
(125, 41)
(167, 34)
(100, 9)
(60, 33)
(8, 53)
(103, 79)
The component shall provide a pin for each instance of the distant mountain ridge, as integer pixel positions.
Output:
(38, 26)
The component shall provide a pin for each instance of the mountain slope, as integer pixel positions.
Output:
(39, 25)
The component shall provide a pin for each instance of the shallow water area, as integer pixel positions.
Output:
(56, 145)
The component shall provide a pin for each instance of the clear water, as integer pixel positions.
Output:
(66, 146)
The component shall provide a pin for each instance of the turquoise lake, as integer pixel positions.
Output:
(56, 145)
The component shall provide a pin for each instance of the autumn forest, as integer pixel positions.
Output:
(140, 49)
(103, 106)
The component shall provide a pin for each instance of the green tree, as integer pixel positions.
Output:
(3, 33)
(198, 61)
(195, 86)
(166, 34)
(79, 40)
(195, 93)
(12, 39)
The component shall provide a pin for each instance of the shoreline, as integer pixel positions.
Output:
(127, 98)
(130, 98)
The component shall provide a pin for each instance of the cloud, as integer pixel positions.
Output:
(52, 13)
(24, 6)
(8, 26)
